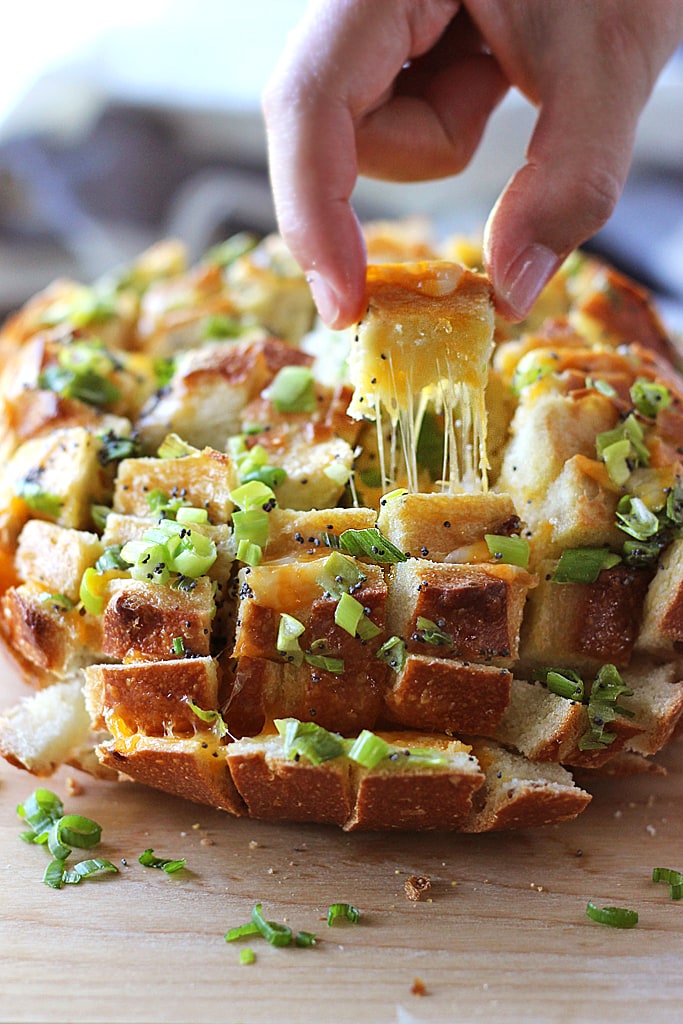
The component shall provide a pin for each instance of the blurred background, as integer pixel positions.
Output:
(124, 123)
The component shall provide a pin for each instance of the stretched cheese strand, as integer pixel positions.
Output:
(426, 338)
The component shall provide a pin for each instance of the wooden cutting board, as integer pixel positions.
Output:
(501, 936)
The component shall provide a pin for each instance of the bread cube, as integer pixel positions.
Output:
(210, 389)
(193, 768)
(583, 625)
(204, 480)
(152, 698)
(300, 534)
(56, 557)
(141, 619)
(447, 695)
(662, 629)
(477, 609)
(446, 527)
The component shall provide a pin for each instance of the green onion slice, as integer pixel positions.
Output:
(88, 868)
(39, 500)
(210, 717)
(324, 661)
(565, 683)
(307, 739)
(511, 550)
(253, 494)
(40, 810)
(371, 544)
(247, 955)
(148, 860)
(340, 575)
(649, 397)
(272, 931)
(173, 447)
(393, 651)
(242, 931)
(287, 643)
(636, 519)
(583, 565)
(673, 878)
(293, 390)
(305, 939)
(343, 912)
(116, 447)
(91, 591)
(432, 633)
(249, 553)
(368, 750)
(615, 917)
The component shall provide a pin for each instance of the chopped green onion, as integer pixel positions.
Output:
(649, 397)
(148, 860)
(602, 386)
(289, 631)
(40, 810)
(91, 591)
(636, 519)
(371, 544)
(173, 447)
(189, 514)
(607, 688)
(338, 473)
(631, 431)
(75, 830)
(110, 559)
(99, 515)
(674, 504)
(305, 939)
(210, 717)
(616, 457)
(368, 749)
(221, 326)
(272, 931)
(252, 525)
(271, 476)
(116, 447)
(60, 601)
(247, 955)
(164, 370)
(253, 494)
(343, 911)
(640, 554)
(567, 684)
(178, 646)
(528, 372)
(333, 665)
(293, 390)
(393, 651)
(241, 931)
(615, 917)
(511, 550)
(82, 373)
(340, 575)
(309, 740)
(39, 500)
(583, 565)
(432, 633)
(348, 614)
(250, 554)
(225, 253)
(54, 874)
(398, 492)
(90, 867)
(673, 878)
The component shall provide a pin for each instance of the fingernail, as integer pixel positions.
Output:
(324, 297)
(526, 276)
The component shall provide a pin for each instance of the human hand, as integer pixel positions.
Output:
(403, 89)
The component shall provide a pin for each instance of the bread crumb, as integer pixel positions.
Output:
(196, 826)
(73, 786)
(253, 845)
(206, 841)
(418, 988)
(651, 830)
(416, 886)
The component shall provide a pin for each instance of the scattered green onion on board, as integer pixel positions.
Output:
(673, 878)
(614, 917)
(343, 912)
(148, 860)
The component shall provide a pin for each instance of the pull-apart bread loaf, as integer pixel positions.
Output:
(406, 576)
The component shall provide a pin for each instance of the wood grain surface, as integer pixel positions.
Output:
(501, 936)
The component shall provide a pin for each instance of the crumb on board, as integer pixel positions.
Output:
(418, 988)
(416, 886)
(73, 786)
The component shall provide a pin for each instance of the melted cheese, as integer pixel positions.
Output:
(425, 340)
